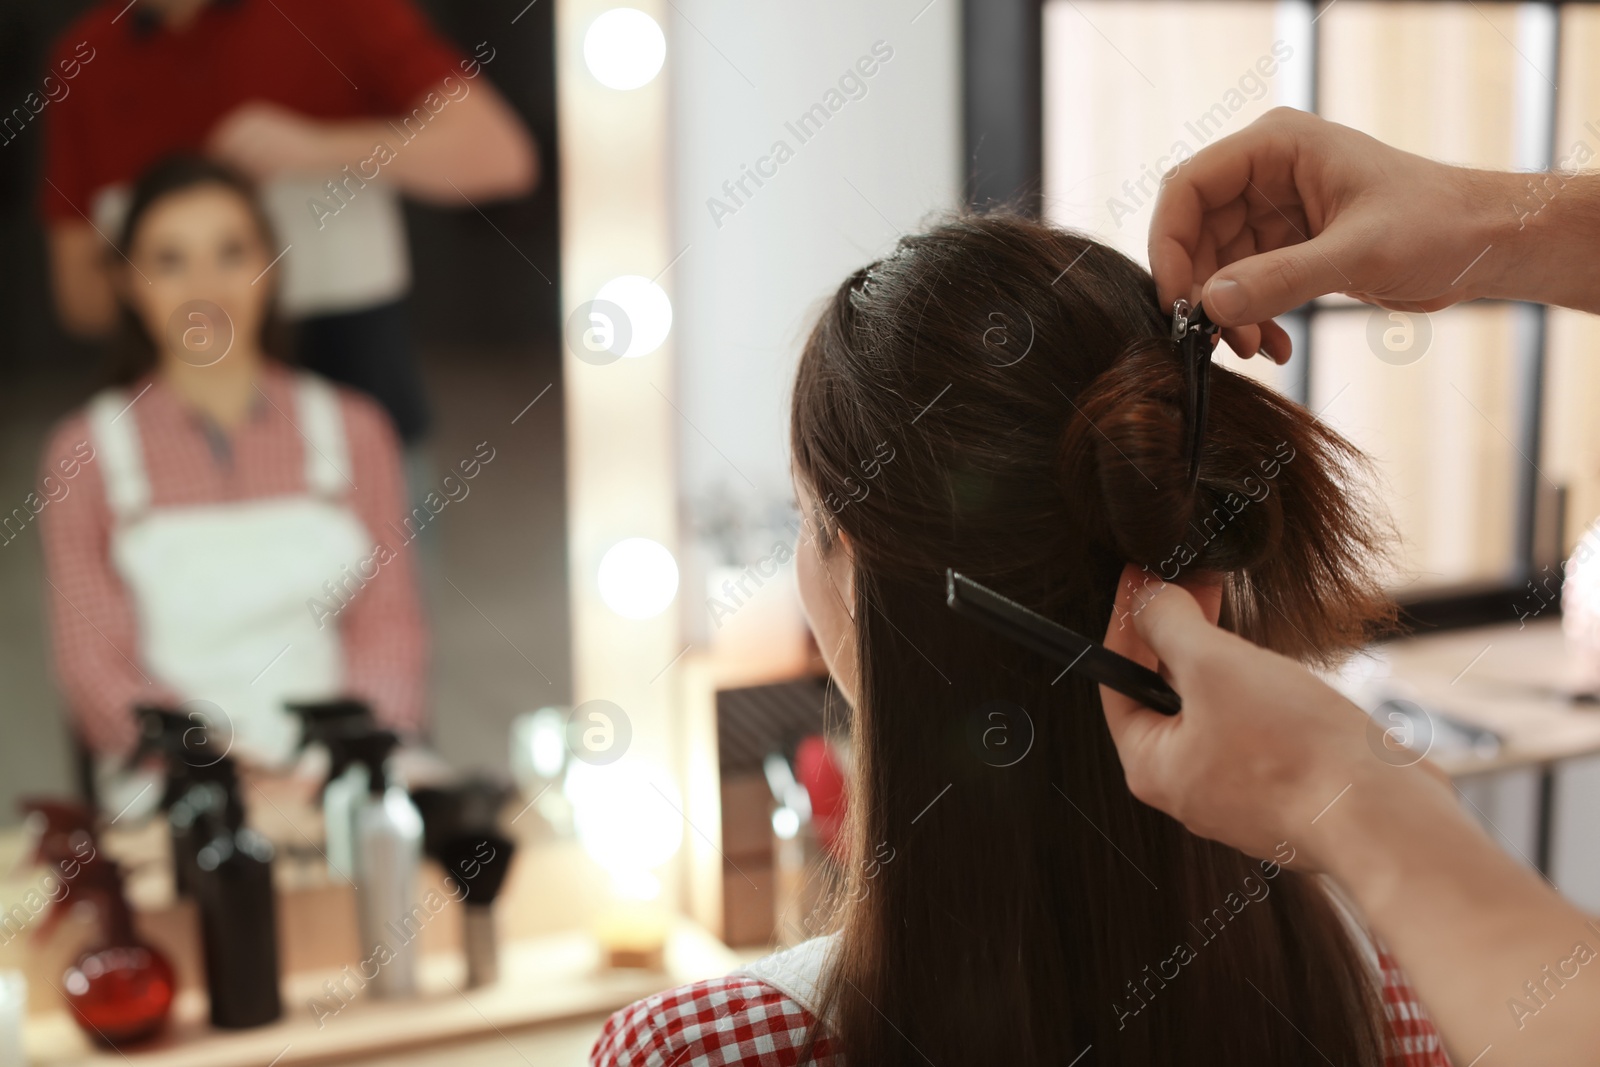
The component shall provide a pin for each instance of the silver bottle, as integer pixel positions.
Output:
(386, 832)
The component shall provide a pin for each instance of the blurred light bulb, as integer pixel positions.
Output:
(627, 818)
(548, 742)
(786, 823)
(538, 748)
(635, 885)
(638, 578)
(624, 48)
(648, 309)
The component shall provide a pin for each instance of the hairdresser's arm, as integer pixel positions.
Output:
(1265, 753)
(1293, 207)
(471, 145)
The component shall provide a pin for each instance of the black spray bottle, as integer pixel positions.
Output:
(180, 743)
(232, 880)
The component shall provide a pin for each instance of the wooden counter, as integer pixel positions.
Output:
(551, 965)
(543, 981)
(1515, 681)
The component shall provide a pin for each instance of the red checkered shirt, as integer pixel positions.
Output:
(92, 619)
(741, 1020)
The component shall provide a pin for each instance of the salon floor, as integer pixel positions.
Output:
(493, 561)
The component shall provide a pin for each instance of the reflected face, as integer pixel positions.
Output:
(826, 576)
(196, 257)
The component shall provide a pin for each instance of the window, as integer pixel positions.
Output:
(1479, 419)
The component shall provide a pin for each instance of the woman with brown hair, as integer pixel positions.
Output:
(1012, 902)
(224, 547)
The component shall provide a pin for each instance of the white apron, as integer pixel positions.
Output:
(221, 592)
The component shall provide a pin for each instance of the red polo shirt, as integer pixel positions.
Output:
(144, 91)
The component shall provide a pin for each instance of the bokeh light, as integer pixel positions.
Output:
(648, 309)
(638, 578)
(624, 48)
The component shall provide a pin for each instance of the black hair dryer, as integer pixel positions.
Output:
(461, 830)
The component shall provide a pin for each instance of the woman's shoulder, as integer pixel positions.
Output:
(1413, 1039)
(68, 434)
(106, 403)
(76, 436)
(758, 1015)
(366, 422)
(298, 381)
(765, 1014)
(735, 1019)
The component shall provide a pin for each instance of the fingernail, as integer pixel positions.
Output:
(1224, 297)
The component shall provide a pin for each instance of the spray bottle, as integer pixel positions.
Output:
(329, 723)
(120, 988)
(387, 836)
(232, 880)
(180, 743)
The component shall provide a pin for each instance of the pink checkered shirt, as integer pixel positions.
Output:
(741, 1021)
(92, 621)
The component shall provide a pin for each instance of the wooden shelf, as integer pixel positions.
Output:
(543, 981)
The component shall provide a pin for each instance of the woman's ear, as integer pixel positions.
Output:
(842, 571)
(1207, 589)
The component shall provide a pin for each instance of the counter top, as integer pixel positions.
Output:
(545, 980)
(1517, 681)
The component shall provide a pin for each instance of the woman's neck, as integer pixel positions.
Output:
(222, 392)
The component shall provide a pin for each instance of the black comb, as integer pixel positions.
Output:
(1032, 630)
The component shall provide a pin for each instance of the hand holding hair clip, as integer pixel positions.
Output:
(1191, 327)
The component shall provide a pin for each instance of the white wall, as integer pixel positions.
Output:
(749, 282)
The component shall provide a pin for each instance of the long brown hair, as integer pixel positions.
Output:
(135, 353)
(1011, 902)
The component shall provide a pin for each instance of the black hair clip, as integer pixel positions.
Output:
(1189, 328)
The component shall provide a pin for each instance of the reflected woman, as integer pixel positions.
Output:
(1010, 901)
(225, 544)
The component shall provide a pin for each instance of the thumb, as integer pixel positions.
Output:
(1129, 633)
(1260, 287)
(1152, 623)
(1172, 626)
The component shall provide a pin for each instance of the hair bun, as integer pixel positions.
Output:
(1280, 511)
(1125, 460)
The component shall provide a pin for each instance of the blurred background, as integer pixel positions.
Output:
(615, 628)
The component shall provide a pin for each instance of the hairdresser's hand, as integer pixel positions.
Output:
(1261, 748)
(1264, 753)
(1293, 207)
(264, 140)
